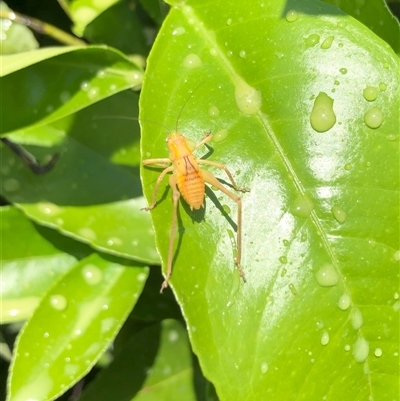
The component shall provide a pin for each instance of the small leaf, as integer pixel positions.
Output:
(82, 76)
(73, 326)
(155, 364)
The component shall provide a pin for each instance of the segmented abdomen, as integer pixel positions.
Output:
(191, 186)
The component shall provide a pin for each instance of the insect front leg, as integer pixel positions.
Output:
(175, 198)
(207, 138)
(210, 179)
(228, 173)
(159, 179)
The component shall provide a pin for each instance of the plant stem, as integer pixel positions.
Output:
(43, 28)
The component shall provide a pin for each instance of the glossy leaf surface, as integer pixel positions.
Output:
(288, 85)
(73, 326)
(33, 258)
(93, 193)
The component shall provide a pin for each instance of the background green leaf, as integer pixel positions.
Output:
(81, 77)
(14, 37)
(93, 193)
(318, 315)
(73, 326)
(32, 259)
(129, 376)
(376, 16)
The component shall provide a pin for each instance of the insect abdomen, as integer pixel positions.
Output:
(192, 187)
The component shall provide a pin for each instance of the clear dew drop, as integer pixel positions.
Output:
(92, 274)
(347, 347)
(327, 43)
(292, 15)
(324, 338)
(229, 21)
(378, 352)
(192, 61)
(141, 277)
(327, 275)
(242, 54)
(11, 185)
(264, 368)
(114, 241)
(87, 233)
(180, 30)
(312, 40)
(302, 206)
(173, 336)
(213, 111)
(93, 92)
(58, 302)
(382, 86)
(361, 350)
(248, 99)
(343, 71)
(84, 86)
(339, 214)
(370, 93)
(48, 208)
(293, 289)
(322, 116)
(226, 209)
(344, 302)
(356, 319)
(220, 135)
(373, 118)
(283, 259)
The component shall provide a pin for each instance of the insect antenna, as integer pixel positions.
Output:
(131, 118)
(185, 103)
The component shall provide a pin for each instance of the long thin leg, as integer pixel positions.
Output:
(228, 173)
(159, 179)
(175, 198)
(210, 179)
(162, 162)
(207, 138)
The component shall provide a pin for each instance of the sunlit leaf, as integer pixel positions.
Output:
(318, 315)
(73, 326)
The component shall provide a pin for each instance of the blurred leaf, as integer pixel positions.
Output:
(154, 365)
(376, 15)
(120, 27)
(32, 259)
(323, 206)
(93, 193)
(157, 9)
(80, 77)
(83, 12)
(73, 326)
(14, 37)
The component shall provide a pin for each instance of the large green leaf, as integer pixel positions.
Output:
(93, 194)
(306, 98)
(79, 78)
(73, 325)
